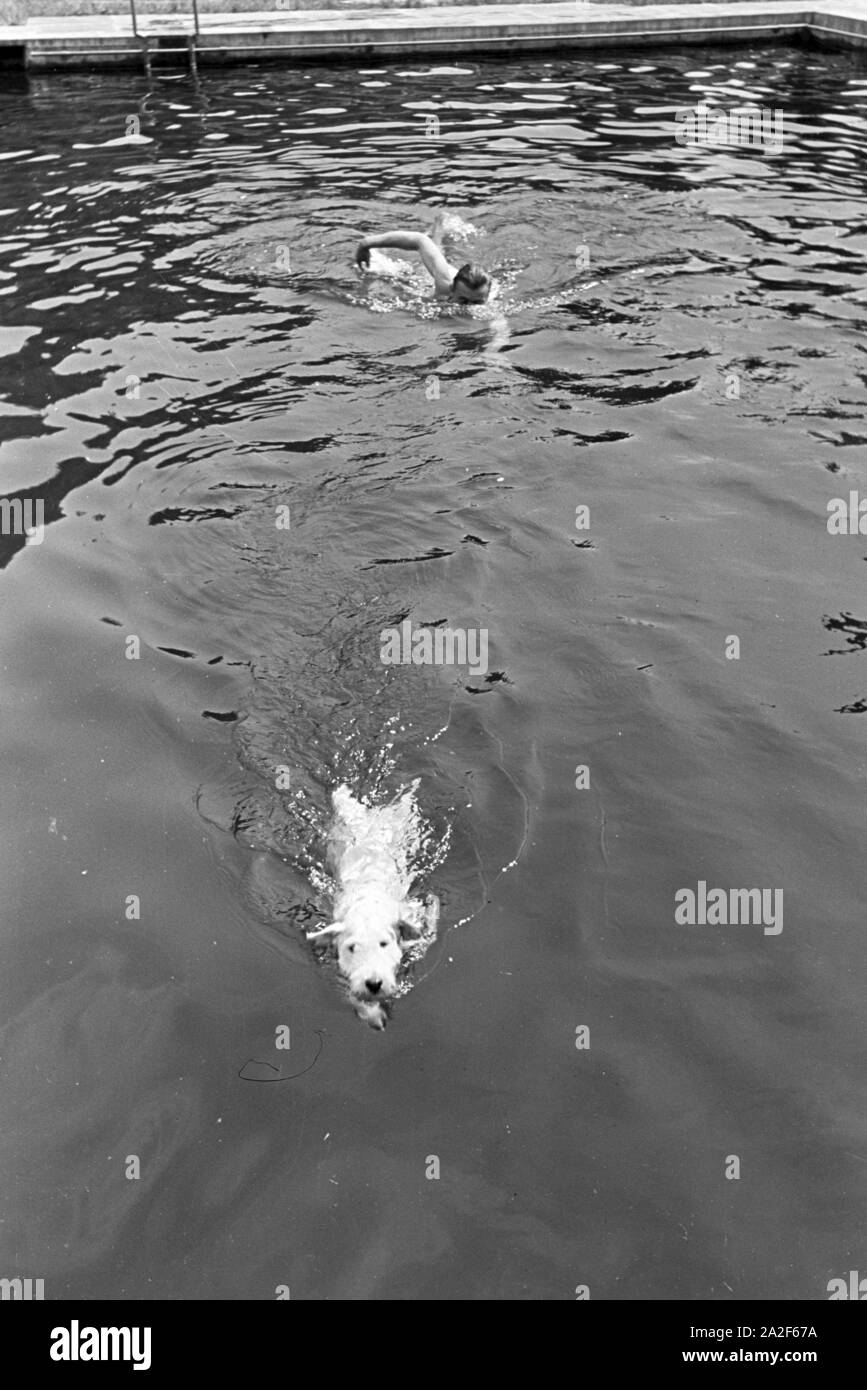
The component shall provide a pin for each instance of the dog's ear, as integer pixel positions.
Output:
(334, 929)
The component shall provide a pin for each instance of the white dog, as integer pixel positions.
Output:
(375, 919)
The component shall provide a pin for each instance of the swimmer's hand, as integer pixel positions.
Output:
(362, 254)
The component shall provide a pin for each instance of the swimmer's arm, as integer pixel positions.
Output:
(431, 255)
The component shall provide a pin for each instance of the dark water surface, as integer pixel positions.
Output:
(186, 349)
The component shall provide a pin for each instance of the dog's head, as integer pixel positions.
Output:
(370, 939)
(370, 948)
(369, 960)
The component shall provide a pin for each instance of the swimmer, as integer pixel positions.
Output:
(469, 284)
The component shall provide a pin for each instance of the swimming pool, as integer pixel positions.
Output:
(677, 345)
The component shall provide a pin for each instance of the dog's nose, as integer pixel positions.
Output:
(374, 986)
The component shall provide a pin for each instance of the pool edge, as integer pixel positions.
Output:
(297, 37)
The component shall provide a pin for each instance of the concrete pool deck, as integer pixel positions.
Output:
(387, 29)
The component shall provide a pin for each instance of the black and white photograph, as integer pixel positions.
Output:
(433, 652)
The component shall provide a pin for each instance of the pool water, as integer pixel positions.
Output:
(252, 461)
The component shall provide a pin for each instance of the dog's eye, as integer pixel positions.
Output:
(351, 949)
(383, 943)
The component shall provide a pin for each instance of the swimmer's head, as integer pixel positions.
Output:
(471, 285)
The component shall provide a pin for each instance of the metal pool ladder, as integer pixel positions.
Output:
(171, 44)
